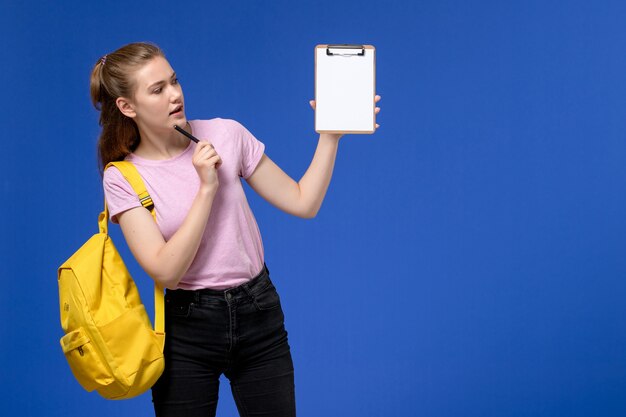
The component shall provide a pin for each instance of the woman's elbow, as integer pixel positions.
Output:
(308, 213)
(164, 278)
(162, 281)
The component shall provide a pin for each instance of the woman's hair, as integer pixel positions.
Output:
(111, 78)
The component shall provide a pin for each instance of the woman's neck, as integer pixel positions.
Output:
(157, 146)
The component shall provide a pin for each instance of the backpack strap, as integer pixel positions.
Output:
(129, 171)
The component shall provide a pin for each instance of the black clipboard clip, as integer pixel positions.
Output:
(345, 46)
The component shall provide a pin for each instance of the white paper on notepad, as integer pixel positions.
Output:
(344, 90)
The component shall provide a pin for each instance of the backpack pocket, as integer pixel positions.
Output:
(135, 349)
(84, 360)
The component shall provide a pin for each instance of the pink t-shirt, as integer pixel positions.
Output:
(231, 250)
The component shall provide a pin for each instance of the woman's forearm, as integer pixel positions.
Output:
(314, 183)
(175, 257)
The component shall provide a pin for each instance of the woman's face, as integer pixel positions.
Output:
(158, 101)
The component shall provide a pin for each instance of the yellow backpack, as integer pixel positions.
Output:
(109, 342)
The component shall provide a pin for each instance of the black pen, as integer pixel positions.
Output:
(189, 135)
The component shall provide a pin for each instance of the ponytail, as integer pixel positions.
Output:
(111, 79)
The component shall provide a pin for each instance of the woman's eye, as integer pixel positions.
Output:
(175, 81)
(157, 91)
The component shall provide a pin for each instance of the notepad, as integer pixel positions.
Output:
(345, 86)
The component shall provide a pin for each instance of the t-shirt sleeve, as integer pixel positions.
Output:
(118, 193)
(252, 150)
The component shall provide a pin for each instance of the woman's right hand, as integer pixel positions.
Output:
(206, 161)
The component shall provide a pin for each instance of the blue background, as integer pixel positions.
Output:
(469, 257)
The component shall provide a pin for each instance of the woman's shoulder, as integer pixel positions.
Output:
(113, 179)
(111, 175)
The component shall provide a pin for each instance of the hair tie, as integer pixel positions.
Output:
(103, 59)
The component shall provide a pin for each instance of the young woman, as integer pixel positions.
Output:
(222, 314)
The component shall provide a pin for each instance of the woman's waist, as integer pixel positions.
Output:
(214, 276)
(249, 286)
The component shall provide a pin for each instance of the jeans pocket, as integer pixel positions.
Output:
(178, 306)
(267, 298)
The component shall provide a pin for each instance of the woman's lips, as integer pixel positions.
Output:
(177, 112)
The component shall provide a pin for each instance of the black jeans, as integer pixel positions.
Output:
(239, 332)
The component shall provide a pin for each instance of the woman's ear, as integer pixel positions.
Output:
(126, 107)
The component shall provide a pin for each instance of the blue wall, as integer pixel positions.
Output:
(469, 257)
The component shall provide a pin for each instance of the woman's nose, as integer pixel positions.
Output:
(177, 93)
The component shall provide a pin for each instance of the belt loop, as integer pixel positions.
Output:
(247, 289)
(196, 297)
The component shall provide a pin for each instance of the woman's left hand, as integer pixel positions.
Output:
(376, 111)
